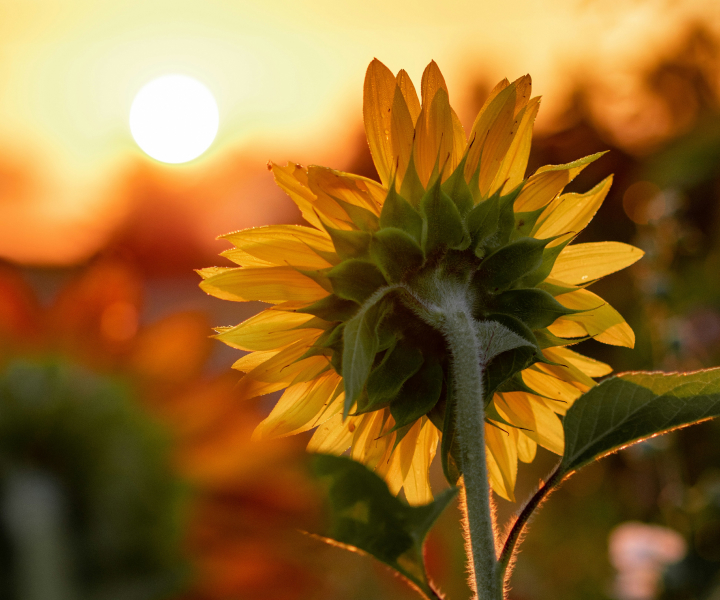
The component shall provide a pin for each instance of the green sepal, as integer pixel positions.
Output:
(505, 366)
(491, 413)
(536, 308)
(363, 219)
(360, 345)
(350, 244)
(491, 222)
(558, 290)
(443, 226)
(412, 188)
(548, 261)
(319, 276)
(510, 263)
(398, 365)
(517, 384)
(418, 395)
(323, 345)
(396, 253)
(366, 516)
(315, 323)
(336, 345)
(398, 212)
(356, 279)
(525, 222)
(458, 190)
(548, 340)
(332, 308)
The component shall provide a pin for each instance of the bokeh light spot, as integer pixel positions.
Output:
(119, 322)
(174, 118)
(644, 202)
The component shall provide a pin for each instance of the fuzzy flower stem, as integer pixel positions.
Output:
(458, 327)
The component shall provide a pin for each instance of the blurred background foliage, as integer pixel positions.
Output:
(126, 467)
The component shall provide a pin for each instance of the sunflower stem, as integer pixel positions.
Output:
(459, 330)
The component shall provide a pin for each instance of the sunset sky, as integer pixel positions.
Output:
(287, 76)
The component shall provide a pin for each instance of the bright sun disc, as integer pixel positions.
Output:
(174, 118)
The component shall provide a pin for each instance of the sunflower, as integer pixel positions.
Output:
(346, 291)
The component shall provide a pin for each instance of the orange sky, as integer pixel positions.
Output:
(287, 76)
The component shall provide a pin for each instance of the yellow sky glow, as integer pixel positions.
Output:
(287, 76)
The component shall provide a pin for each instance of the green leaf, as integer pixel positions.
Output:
(398, 365)
(367, 517)
(350, 244)
(536, 308)
(634, 406)
(509, 263)
(356, 279)
(396, 253)
(360, 344)
(443, 226)
(418, 395)
(332, 308)
(398, 212)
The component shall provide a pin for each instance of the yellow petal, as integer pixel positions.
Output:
(339, 186)
(432, 81)
(368, 444)
(539, 423)
(287, 179)
(571, 212)
(512, 170)
(502, 447)
(433, 136)
(601, 320)
(567, 328)
(208, 272)
(568, 374)
(334, 436)
(589, 366)
(252, 360)
(268, 330)
(523, 93)
(500, 102)
(582, 263)
(270, 284)
(402, 132)
(409, 94)
(390, 468)
(551, 387)
(297, 407)
(417, 484)
(497, 142)
(548, 181)
(280, 245)
(459, 143)
(278, 371)
(527, 448)
(406, 448)
(378, 93)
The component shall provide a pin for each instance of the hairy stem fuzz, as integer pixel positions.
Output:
(459, 330)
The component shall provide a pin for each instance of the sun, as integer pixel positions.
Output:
(174, 118)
